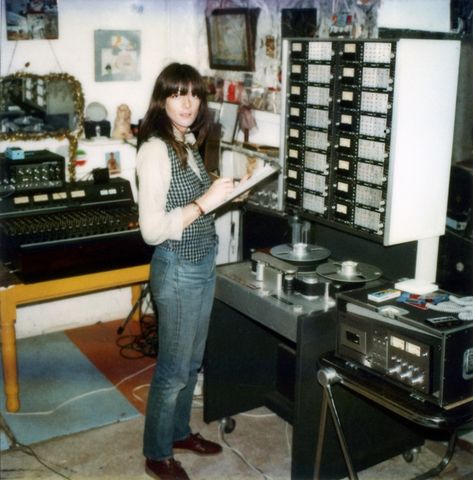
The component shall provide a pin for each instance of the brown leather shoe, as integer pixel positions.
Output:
(197, 444)
(168, 469)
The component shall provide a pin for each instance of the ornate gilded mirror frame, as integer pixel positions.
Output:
(34, 90)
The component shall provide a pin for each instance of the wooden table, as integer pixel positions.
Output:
(13, 293)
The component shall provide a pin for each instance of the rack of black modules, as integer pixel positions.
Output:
(339, 98)
(30, 171)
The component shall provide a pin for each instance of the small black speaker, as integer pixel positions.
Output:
(101, 175)
(97, 129)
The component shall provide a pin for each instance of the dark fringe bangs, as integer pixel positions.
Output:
(180, 79)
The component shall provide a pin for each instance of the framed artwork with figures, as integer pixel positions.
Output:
(31, 19)
(117, 55)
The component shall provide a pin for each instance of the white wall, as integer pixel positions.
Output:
(171, 30)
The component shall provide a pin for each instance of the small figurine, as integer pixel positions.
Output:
(122, 125)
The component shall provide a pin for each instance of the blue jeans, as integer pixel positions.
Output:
(183, 293)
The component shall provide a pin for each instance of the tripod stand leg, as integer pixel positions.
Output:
(142, 295)
(328, 377)
(321, 437)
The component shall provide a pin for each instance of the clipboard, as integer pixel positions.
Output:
(257, 177)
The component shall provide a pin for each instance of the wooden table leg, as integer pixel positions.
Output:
(8, 336)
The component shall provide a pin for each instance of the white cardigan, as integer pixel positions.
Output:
(153, 168)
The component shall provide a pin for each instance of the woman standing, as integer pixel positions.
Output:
(175, 191)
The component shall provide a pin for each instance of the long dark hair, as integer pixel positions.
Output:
(174, 78)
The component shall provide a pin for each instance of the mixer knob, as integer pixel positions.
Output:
(406, 374)
(395, 369)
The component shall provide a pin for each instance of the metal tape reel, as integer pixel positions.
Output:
(300, 253)
(349, 271)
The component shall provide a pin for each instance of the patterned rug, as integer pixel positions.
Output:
(75, 381)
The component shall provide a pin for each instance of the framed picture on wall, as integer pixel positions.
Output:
(117, 55)
(231, 36)
(31, 19)
(113, 162)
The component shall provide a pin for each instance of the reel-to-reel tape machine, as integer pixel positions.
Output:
(303, 272)
(289, 280)
(306, 268)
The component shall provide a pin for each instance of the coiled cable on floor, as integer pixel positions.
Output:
(143, 344)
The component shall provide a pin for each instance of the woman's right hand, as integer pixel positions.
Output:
(216, 194)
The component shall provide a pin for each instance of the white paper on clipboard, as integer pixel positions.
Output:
(257, 177)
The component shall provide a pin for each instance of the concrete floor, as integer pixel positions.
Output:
(259, 447)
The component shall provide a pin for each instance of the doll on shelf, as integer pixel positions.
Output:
(122, 125)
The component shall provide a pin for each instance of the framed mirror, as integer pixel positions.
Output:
(35, 107)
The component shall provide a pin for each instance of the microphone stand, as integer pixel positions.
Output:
(144, 292)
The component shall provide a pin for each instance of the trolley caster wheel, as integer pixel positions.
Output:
(411, 455)
(228, 424)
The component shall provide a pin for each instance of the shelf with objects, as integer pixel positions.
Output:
(228, 154)
(238, 159)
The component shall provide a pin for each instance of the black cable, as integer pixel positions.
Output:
(138, 305)
(27, 449)
(143, 344)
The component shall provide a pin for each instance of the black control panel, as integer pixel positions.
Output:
(427, 352)
(80, 228)
(38, 171)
